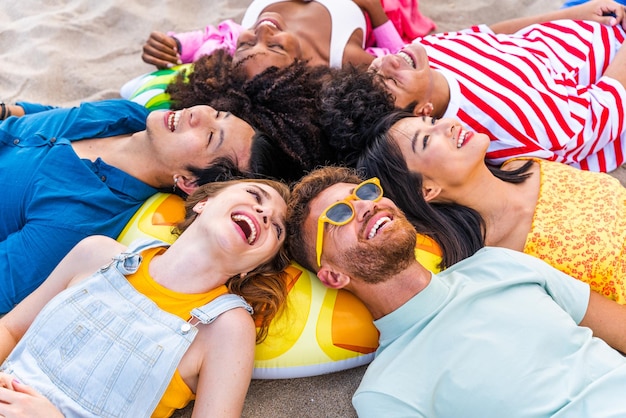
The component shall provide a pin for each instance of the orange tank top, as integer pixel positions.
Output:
(177, 395)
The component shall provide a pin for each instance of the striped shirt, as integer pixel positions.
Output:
(539, 92)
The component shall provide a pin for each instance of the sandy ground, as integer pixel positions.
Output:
(65, 51)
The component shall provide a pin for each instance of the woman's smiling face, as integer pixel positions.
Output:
(248, 221)
(439, 149)
(406, 75)
(266, 44)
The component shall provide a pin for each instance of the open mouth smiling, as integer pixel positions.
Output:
(172, 120)
(378, 225)
(268, 22)
(407, 57)
(248, 227)
(463, 136)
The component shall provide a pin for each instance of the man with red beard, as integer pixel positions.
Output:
(497, 334)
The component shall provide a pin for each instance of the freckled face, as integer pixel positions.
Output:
(199, 135)
(406, 75)
(439, 149)
(266, 44)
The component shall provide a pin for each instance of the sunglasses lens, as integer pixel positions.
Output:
(368, 191)
(339, 213)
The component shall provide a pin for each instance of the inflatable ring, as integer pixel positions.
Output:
(149, 89)
(320, 330)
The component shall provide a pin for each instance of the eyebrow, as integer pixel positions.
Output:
(248, 58)
(414, 141)
(267, 196)
(222, 134)
(263, 192)
(222, 137)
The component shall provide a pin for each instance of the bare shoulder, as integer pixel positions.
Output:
(233, 330)
(90, 254)
(235, 323)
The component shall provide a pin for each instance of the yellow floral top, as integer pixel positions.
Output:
(579, 227)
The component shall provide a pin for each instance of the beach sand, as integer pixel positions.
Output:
(65, 51)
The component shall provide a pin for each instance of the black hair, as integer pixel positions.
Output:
(281, 103)
(459, 230)
(350, 105)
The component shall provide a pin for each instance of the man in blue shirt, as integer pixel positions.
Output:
(69, 173)
(499, 334)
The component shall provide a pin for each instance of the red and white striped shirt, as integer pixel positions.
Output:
(539, 92)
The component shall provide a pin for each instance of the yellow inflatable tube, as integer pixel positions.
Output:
(320, 331)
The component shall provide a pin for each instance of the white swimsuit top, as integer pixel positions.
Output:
(348, 15)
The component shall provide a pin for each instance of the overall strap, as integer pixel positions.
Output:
(128, 262)
(208, 313)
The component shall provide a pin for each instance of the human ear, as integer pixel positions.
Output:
(423, 110)
(331, 278)
(185, 184)
(199, 207)
(430, 191)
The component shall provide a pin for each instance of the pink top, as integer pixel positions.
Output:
(197, 43)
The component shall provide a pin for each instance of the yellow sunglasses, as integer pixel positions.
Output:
(342, 212)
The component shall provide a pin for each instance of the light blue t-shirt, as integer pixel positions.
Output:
(495, 335)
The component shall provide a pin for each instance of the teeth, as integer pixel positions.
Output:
(461, 140)
(407, 58)
(253, 231)
(268, 23)
(172, 121)
(377, 226)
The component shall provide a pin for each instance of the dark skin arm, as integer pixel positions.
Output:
(597, 10)
(161, 50)
(375, 11)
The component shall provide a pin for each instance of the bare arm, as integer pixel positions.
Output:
(607, 320)
(374, 9)
(87, 256)
(355, 55)
(617, 67)
(596, 10)
(226, 369)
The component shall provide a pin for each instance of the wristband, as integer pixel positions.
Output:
(5, 112)
(387, 36)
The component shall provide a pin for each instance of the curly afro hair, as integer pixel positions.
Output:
(350, 106)
(281, 103)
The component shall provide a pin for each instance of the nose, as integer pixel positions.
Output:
(446, 125)
(201, 115)
(267, 213)
(390, 62)
(263, 32)
(362, 208)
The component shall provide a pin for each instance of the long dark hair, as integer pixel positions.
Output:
(458, 229)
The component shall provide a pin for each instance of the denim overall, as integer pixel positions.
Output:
(101, 349)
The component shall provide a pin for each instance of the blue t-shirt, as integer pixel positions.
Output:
(51, 199)
(494, 335)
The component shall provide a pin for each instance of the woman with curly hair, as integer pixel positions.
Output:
(282, 103)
